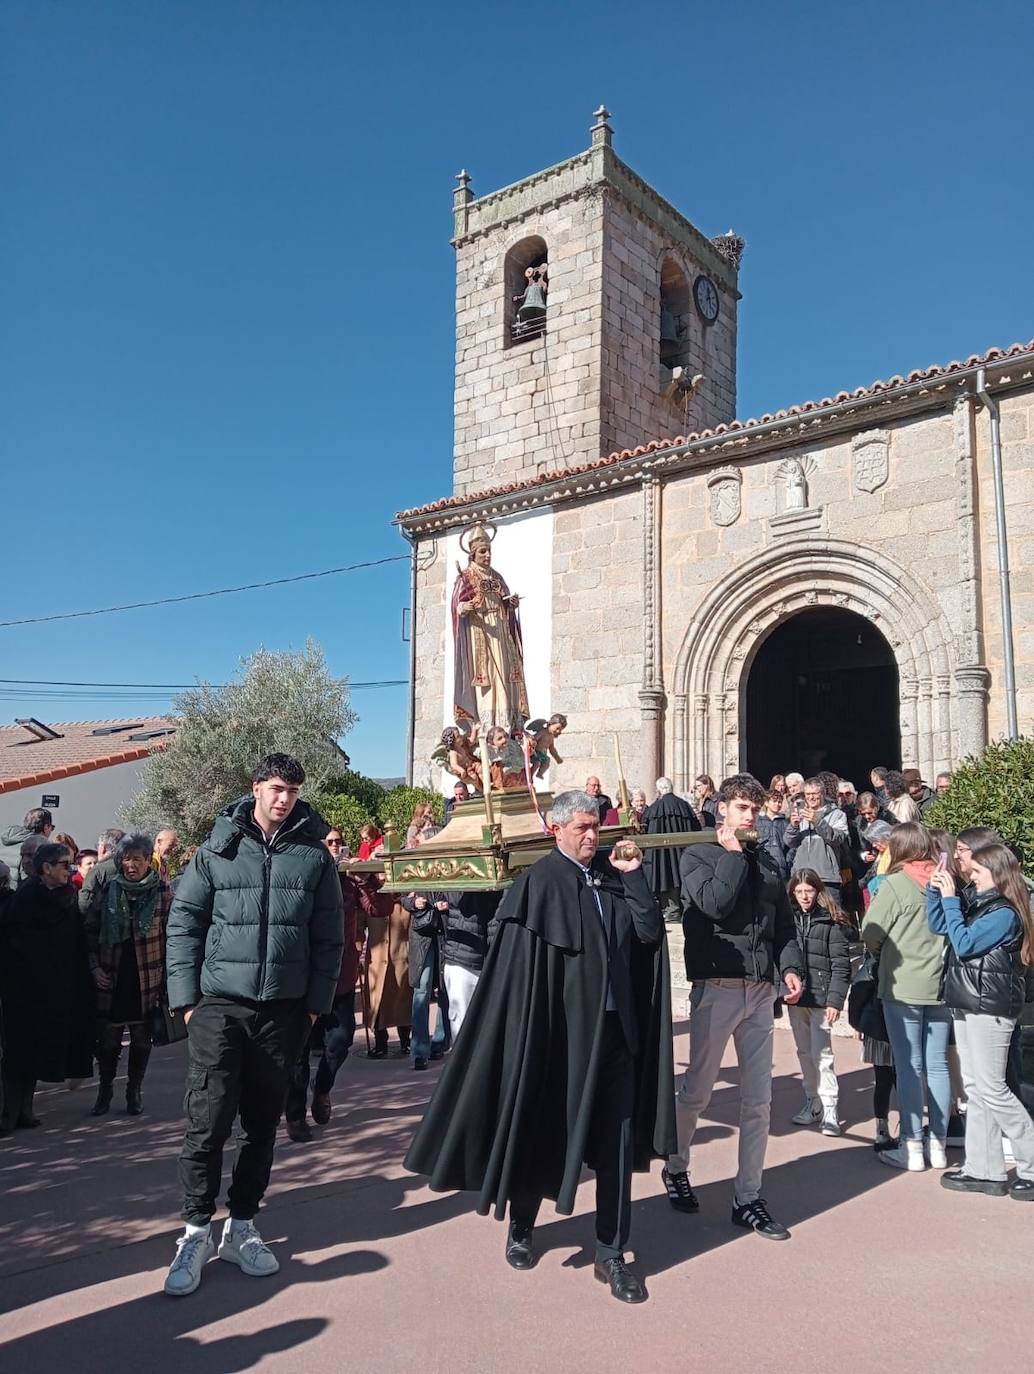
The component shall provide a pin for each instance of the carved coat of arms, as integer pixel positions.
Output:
(724, 501)
(871, 457)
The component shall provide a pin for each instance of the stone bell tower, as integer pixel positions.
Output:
(637, 340)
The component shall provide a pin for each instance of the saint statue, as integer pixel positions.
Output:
(489, 655)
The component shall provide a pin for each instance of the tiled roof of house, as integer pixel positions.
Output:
(26, 761)
(742, 427)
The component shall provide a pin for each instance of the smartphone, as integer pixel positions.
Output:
(942, 863)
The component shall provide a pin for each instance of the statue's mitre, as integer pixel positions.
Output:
(477, 534)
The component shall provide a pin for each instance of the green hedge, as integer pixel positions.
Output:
(996, 790)
(398, 806)
(344, 812)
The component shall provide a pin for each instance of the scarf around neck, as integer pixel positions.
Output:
(128, 907)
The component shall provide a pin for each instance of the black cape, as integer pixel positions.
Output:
(512, 1108)
(45, 986)
(667, 816)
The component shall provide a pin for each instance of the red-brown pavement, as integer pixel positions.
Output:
(885, 1271)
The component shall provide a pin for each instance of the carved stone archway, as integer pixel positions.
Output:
(714, 660)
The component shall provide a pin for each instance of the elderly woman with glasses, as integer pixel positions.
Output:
(43, 984)
(125, 936)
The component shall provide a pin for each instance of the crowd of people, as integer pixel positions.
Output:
(805, 898)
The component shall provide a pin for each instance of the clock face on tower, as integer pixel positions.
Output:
(705, 293)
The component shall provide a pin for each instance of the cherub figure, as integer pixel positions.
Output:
(456, 754)
(544, 735)
(505, 760)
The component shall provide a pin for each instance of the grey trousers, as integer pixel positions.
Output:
(994, 1110)
(720, 1009)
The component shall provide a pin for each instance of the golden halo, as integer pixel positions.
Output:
(477, 534)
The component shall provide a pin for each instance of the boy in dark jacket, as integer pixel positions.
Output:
(740, 941)
(254, 948)
(467, 924)
(427, 913)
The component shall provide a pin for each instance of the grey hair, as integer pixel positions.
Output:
(846, 786)
(663, 786)
(794, 777)
(108, 839)
(569, 804)
(133, 842)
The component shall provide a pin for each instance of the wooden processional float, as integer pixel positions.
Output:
(490, 838)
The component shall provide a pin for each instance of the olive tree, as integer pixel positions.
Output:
(281, 703)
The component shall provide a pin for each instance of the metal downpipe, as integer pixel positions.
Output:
(1002, 541)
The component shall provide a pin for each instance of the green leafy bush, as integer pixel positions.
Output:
(398, 805)
(368, 793)
(996, 790)
(344, 812)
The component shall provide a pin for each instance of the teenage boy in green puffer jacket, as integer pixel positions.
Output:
(255, 938)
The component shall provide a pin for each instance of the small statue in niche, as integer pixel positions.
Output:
(795, 473)
(544, 735)
(456, 755)
(531, 306)
(506, 760)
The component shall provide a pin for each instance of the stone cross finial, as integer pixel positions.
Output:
(461, 198)
(602, 133)
(462, 195)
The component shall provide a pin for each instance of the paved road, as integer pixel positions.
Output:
(885, 1271)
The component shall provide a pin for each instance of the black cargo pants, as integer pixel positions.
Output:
(241, 1055)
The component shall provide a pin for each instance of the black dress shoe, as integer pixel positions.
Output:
(299, 1131)
(26, 1122)
(958, 1181)
(134, 1102)
(624, 1285)
(755, 1216)
(419, 1062)
(321, 1108)
(520, 1253)
(103, 1103)
(1022, 1189)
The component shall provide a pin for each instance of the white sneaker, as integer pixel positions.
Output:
(242, 1245)
(908, 1155)
(830, 1122)
(809, 1113)
(193, 1252)
(937, 1156)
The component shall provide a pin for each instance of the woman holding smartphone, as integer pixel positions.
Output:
(911, 961)
(991, 944)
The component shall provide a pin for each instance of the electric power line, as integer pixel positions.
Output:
(180, 686)
(202, 596)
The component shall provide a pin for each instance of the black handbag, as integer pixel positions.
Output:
(166, 1027)
(864, 1008)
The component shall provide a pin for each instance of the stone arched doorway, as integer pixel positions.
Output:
(822, 692)
(708, 690)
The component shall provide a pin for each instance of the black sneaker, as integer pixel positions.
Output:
(419, 1062)
(680, 1194)
(754, 1216)
(1022, 1189)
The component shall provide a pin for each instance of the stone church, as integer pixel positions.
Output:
(821, 587)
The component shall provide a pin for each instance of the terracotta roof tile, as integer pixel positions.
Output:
(733, 427)
(29, 762)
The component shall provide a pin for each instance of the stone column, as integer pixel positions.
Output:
(651, 695)
(971, 684)
(909, 722)
(924, 743)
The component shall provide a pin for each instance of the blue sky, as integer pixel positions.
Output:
(226, 340)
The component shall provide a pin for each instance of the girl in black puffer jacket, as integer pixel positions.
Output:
(823, 936)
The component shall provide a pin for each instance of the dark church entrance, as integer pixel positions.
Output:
(823, 694)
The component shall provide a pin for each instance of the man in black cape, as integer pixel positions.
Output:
(669, 815)
(565, 1056)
